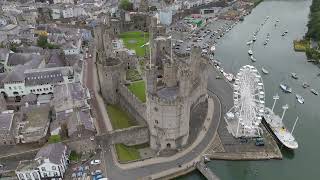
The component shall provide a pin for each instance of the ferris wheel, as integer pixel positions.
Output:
(249, 101)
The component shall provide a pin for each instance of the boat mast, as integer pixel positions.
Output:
(285, 107)
(275, 98)
(294, 125)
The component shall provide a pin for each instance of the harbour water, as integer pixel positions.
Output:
(279, 58)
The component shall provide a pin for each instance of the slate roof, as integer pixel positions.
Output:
(86, 119)
(6, 121)
(2, 77)
(53, 152)
(30, 49)
(56, 60)
(27, 165)
(21, 58)
(16, 75)
(43, 77)
(3, 53)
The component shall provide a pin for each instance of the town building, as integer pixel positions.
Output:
(72, 111)
(33, 123)
(50, 162)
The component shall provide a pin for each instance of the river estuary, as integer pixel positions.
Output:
(279, 58)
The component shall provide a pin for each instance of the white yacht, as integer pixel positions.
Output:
(300, 99)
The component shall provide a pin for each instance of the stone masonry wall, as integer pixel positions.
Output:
(130, 136)
(132, 104)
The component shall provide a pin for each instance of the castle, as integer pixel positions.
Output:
(175, 83)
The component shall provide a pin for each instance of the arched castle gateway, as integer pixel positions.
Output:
(174, 82)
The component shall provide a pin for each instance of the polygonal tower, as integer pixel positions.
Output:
(174, 86)
(111, 70)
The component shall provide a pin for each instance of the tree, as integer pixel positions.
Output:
(126, 5)
(42, 41)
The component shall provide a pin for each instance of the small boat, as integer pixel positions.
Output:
(253, 59)
(230, 77)
(277, 20)
(300, 99)
(305, 85)
(294, 75)
(264, 70)
(283, 34)
(250, 52)
(265, 43)
(314, 92)
(249, 42)
(285, 88)
(254, 38)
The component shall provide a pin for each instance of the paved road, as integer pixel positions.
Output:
(88, 80)
(114, 172)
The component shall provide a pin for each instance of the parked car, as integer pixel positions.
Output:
(98, 171)
(95, 162)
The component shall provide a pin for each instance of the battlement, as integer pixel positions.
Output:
(111, 62)
(185, 73)
(161, 101)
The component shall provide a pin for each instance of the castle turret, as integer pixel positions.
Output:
(111, 70)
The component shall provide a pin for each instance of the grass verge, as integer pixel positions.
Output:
(127, 153)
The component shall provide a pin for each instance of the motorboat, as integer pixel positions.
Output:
(294, 75)
(250, 52)
(249, 42)
(314, 92)
(305, 85)
(300, 99)
(253, 59)
(254, 38)
(285, 88)
(264, 70)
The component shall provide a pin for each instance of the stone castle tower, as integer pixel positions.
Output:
(111, 70)
(175, 82)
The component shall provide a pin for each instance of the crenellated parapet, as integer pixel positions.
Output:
(164, 102)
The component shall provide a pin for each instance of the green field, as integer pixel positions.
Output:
(138, 88)
(134, 40)
(119, 118)
(127, 153)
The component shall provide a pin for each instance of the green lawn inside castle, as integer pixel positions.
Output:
(133, 40)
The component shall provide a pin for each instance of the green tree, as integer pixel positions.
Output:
(126, 5)
(42, 41)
